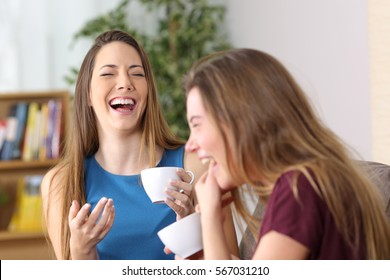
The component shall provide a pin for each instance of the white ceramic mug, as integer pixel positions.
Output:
(157, 179)
(184, 237)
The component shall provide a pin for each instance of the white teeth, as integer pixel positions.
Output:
(205, 160)
(122, 101)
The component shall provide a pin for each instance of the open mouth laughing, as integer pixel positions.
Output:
(123, 104)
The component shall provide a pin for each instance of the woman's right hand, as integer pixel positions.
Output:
(86, 230)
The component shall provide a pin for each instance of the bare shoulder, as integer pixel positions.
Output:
(192, 163)
(51, 190)
(50, 181)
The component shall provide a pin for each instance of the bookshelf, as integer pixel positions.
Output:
(28, 244)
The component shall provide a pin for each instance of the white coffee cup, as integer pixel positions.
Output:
(184, 237)
(157, 179)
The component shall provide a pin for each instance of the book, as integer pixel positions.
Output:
(10, 134)
(43, 131)
(3, 127)
(56, 140)
(36, 134)
(27, 154)
(50, 127)
(21, 115)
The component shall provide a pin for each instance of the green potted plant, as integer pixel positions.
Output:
(187, 30)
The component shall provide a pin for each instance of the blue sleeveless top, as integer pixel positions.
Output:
(133, 235)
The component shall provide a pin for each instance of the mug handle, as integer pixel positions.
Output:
(192, 176)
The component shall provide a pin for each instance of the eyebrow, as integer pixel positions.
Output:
(194, 117)
(115, 66)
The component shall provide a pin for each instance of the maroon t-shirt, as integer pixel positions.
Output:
(307, 221)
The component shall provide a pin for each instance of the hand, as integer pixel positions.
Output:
(182, 202)
(87, 230)
(211, 198)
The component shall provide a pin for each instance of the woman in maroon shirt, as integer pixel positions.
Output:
(252, 122)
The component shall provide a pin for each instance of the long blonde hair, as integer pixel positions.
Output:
(275, 130)
(82, 140)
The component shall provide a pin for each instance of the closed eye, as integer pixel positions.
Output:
(106, 74)
(194, 125)
(138, 75)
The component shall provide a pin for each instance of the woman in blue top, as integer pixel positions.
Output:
(118, 129)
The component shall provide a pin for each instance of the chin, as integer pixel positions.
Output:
(225, 184)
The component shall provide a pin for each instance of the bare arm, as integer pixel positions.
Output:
(51, 204)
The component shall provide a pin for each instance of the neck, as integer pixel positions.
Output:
(120, 154)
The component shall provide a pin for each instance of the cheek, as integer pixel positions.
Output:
(142, 87)
(207, 143)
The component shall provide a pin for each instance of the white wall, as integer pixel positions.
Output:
(325, 46)
(37, 41)
(379, 52)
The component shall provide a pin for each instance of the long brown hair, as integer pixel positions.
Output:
(82, 140)
(275, 130)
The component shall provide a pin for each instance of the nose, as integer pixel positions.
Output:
(191, 145)
(125, 83)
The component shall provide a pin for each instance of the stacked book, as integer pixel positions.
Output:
(31, 131)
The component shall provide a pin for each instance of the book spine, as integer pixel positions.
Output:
(10, 135)
(21, 115)
(29, 138)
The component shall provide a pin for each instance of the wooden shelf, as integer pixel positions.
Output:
(26, 245)
(22, 165)
(34, 96)
(12, 235)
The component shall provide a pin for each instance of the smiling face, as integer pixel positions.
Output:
(206, 140)
(118, 91)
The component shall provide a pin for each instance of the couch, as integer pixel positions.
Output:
(377, 172)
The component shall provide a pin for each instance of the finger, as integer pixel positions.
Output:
(184, 202)
(178, 195)
(185, 175)
(81, 216)
(105, 215)
(97, 211)
(109, 223)
(179, 209)
(74, 209)
(203, 178)
(182, 187)
(167, 250)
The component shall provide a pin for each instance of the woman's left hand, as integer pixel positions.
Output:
(182, 201)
